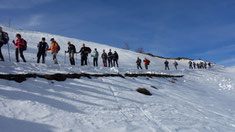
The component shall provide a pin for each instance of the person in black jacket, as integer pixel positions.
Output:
(115, 58)
(3, 40)
(110, 58)
(84, 51)
(42, 47)
(104, 57)
(190, 64)
(175, 64)
(138, 62)
(71, 51)
(166, 65)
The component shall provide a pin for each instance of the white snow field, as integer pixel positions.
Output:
(201, 101)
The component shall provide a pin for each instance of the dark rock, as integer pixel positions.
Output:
(143, 91)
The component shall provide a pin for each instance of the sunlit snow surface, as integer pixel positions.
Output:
(201, 101)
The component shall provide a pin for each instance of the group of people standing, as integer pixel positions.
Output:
(109, 59)
(112, 58)
(200, 65)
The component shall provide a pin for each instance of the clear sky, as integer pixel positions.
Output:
(172, 28)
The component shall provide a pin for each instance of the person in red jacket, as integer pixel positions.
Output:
(20, 42)
(146, 63)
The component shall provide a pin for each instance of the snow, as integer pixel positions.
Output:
(201, 101)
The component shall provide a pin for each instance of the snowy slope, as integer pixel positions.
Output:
(201, 101)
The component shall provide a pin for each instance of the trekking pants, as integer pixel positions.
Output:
(110, 63)
(176, 67)
(1, 56)
(190, 66)
(95, 62)
(43, 54)
(54, 58)
(21, 54)
(83, 60)
(167, 67)
(115, 61)
(71, 58)
(105, 62)
(139, 66)
(146, 66)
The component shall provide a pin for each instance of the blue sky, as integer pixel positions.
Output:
(173, 28)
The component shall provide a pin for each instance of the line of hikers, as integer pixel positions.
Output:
(192, 65)
(201, 65)
(109, 60)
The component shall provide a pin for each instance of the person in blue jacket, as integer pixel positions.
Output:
(95, 55)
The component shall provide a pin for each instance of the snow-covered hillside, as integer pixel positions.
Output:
(201, 101)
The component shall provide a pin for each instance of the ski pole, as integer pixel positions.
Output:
(64, 57)
(76, 58)
(18, 51)
(88, 60)
(9, 52)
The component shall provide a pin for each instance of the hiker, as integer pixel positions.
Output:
(138, 62)
(205, 65)
(146, 63)
(54, 48)
(194, 65)
(20, 43)
(201, 65)
(95, 55)
(110, 58)
(71, 50)
(175, 64)
(42, 46)
(198, 66)
(209, 64)
(166, 65)
(3, 40)
(115, 58)
(190, 64)
(84, 51)
(104, 57)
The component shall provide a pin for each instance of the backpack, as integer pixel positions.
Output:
(89, 50)
(105, 64)
(5, 37)
(25, 45)
(147, 61)
(73, 48)
(58, 47)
